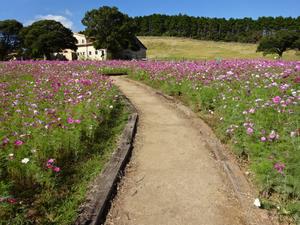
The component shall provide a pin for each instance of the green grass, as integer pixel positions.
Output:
(66, 212)
(54, 139)
(60, 204)
(222, 104)
(185, 48)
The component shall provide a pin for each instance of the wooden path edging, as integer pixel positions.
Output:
(94, 210)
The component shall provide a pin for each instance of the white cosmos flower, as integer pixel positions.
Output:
(257, 203)
(25, 160)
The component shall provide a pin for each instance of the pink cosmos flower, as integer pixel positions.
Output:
(284, 87)
(276, 100)
(77, 121)
(50, 161)
(279, 167)
(250, 131)
(56, 169)
(50, 165)
(263, 139)
(5, 141)
(18, 143)
(70, 120)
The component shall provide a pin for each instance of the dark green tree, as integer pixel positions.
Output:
(218, 29)
(9, 37)
(45, 37)
(296, 44)
(278, 43)
(109, 28)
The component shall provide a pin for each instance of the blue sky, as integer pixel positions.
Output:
(70, 12)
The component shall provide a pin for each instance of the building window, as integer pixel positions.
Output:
(90, 53)
(102, 53)
(83, 53)
(82, 41)
(96, 52)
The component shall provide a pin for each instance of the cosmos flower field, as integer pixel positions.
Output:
(50, 112)
(56, 122)
(254, 107)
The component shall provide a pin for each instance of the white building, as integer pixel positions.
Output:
(85, 50)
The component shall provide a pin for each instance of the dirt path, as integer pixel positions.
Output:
(173, 178)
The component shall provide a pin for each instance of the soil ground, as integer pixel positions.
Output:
(173, 178)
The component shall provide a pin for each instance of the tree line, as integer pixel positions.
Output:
(38, 40)
(106, 27)
(217, 29)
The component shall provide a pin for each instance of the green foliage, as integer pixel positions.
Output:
(216, 29)
(110, 29)
(9, 37)
(46, 37)
(279, 43)
(113, 71)
(296, 44)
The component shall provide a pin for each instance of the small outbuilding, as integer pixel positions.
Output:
(138, 54)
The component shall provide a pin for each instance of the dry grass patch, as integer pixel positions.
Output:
(185, 48)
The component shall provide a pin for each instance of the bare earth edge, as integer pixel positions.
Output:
(98, 201)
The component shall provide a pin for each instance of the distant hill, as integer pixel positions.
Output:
(186, 48)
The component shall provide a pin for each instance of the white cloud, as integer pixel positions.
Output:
(63, 20)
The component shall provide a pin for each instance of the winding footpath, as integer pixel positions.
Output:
(173, 177)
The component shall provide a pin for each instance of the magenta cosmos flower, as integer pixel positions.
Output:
(50, 161)
(276, 100)
(70, 120)
(19, 143)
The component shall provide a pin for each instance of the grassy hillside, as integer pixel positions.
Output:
(185, 48)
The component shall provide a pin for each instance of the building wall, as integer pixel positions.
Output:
(85, 50)
(89, 52)
(68, 54)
